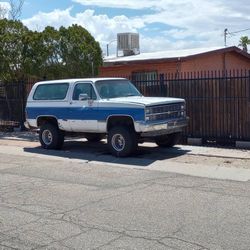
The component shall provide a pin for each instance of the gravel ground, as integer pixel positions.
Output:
(204, 156)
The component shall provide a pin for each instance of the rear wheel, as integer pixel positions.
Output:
(168, 141)
(51, 137)
(122, 141)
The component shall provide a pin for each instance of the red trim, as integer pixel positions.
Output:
(162, 60)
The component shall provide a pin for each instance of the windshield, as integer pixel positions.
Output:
(116, 88)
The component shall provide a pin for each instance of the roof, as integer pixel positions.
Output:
(94, 79)
(172, 54)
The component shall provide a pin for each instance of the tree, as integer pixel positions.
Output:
(244, 41)
(34, 54)
(16, 9)
(11, 9)
(81, 54)
(65, 53)
(12, 34)
(50, 53)
(4, 10)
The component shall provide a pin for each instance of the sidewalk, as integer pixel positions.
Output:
(222, 152)
(209, 162)
(218, 152)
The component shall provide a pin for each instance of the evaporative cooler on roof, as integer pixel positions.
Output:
(128, 43)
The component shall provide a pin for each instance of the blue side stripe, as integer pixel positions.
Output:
(88, 113)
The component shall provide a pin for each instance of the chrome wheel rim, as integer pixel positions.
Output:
(47, 137)
(118, 142)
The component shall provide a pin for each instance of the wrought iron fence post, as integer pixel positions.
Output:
(8, 101)
(162, 86)
(249, 85)
(22, 95)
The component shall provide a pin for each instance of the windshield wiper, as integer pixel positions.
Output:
(131, 95)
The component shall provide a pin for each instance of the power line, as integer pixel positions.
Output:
(238, 31)
(226, 33)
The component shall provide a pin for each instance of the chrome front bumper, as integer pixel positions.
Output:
(165, 127)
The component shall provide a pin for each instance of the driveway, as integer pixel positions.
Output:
(83, 198)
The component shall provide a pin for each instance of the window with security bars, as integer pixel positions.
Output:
(145, 77)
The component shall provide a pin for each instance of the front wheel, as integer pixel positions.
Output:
(122, 141)
(168, 141)
(51, 137)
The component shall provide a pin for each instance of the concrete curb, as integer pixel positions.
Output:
(243, 144)
(194, 141)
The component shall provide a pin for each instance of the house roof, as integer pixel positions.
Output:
(171, 55)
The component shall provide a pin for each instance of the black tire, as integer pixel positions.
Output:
(51, 137)
(94, 137)
(122, 141)
(168, 141)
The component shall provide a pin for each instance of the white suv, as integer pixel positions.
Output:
(97, 107)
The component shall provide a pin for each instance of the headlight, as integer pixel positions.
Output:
(183, 106)
(147, 111)
(151, 118)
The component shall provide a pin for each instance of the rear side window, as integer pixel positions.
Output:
(57, 91)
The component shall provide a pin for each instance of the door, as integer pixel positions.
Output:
(83, 113)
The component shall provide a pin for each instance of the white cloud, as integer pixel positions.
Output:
(130, 4)
(56, 18)
(103, 28)
(206, 14)
(195, 23)
(5, 5)
(4, 9)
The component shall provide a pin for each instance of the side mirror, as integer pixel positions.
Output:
(83, 97)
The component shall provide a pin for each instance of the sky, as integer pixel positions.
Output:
(162, 24)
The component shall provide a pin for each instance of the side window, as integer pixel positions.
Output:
(52, 91)
(84, 88)
(147, 78)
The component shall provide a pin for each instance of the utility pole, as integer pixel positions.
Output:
(107, 49)
(109, 44)
(225, 37)
(226, 33)
(91, 60)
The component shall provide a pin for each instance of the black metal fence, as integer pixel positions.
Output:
(218, 103)
(13, 97)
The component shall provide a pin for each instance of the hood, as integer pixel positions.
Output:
(147, 101)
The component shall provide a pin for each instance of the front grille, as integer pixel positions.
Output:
(165, 112)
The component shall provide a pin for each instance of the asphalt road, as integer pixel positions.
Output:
(65, 201)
